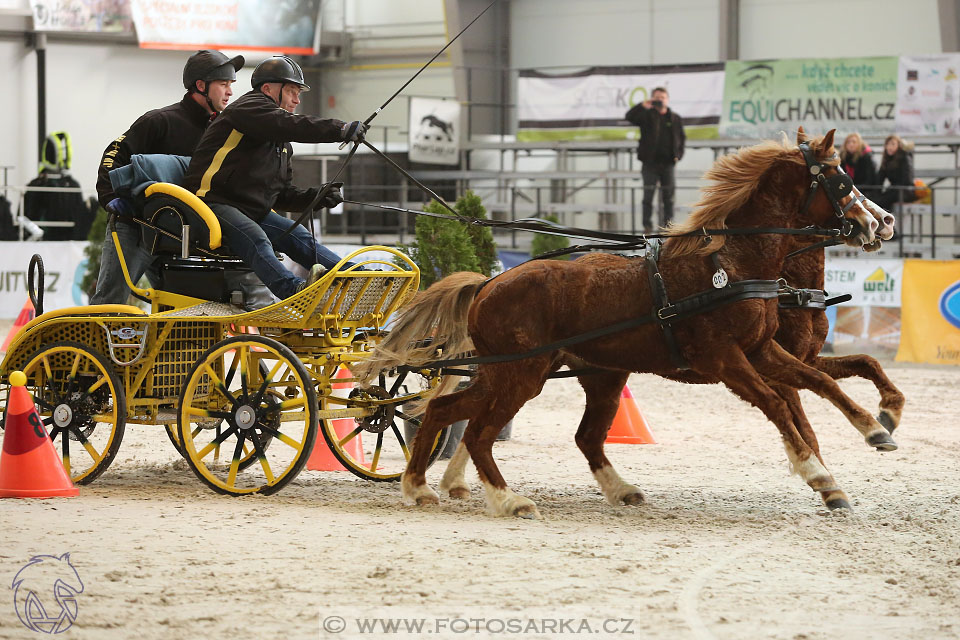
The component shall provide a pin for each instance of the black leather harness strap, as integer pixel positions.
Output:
(661, 301)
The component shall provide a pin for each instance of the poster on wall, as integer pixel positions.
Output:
(434, 131)
(928, 95)
(872, 282)
(290, 26)
(64, 265)
(930, 325)
(590, 105)
(763, 98)
(99, 16)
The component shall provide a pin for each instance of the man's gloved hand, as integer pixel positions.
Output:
(120, 207)
(332, 197)
(353, 131)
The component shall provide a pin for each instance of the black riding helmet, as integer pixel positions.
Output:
(209, 65)
(278, 69)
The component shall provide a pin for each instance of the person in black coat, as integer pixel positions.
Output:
(856, 158)
(897, 168)
(662, 140)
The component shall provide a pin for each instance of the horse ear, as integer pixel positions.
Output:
(828, 140)
(801, 135)
(65, 556)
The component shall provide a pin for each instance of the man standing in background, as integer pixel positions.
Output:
(662, 140)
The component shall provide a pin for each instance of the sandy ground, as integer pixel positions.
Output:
(729, 545)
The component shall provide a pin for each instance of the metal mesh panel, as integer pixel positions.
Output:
(184, 346)
(82, 331)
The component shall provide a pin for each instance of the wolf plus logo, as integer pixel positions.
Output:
(45, 593)
(950, 304)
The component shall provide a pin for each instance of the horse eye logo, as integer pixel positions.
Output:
(950, 304)
(45, 593)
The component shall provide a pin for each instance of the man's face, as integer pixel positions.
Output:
(219, 92)
(290, 97)
(661, 96)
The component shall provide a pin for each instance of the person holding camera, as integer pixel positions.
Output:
(662, 140)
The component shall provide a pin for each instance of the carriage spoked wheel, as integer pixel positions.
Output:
(243, 393)
(81, 404)
(376, 446)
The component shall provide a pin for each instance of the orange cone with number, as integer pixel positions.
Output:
(321, 458)
(29, 464)
(25, 316)
(629, 425)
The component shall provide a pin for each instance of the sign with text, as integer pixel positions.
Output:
(64, 265)
(101, 16)
(434, 131)
(290, 26)
(928, 95)
(763, 98)
(871, 282)
(590, 105)
(930, 325)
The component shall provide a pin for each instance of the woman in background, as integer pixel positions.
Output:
(856, 158)
(897, 168)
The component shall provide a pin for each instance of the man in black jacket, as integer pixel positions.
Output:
(242, 170)
(661, 146)
(176, 129)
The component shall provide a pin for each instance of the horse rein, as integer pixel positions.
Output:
(836, 187)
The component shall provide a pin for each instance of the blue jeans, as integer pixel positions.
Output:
(253, 242)
(111, 287)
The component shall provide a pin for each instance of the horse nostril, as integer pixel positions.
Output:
(889, 220)
(873, 224)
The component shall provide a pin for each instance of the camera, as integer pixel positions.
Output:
(656, 104)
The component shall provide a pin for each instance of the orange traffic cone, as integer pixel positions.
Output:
(26, 314)
(629, 426)
(321, 458)
(29, 465)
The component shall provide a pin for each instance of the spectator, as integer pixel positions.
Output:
(661, 146)
(857, 160)
(897, 168)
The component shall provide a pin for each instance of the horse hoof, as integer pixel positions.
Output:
(835, 504)
(459, 493)
(423, 501)
(882, 441)
(886, 420)
(633, 499)
(528, 511)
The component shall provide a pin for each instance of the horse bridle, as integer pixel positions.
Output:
(837, 187)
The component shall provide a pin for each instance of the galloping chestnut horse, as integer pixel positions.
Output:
(542, 302)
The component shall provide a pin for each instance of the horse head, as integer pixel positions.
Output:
(41, 582)
(832, 199)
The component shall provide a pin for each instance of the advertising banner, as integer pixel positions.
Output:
(871, 282)
(64, 265)
(103, 16)
(930, 330)
(928, 95)
(434, 131)
(763, 98)
(591, 104)
(290, 26)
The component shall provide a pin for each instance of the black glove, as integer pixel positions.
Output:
(332, 197)
(353, 131)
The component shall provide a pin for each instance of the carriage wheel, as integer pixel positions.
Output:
(383, 450)
(242, 393)
(81, 404)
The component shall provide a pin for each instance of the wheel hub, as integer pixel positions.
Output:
(63, 415)
(245, 416)
(382, 417)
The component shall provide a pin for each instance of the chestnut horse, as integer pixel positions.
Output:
(542, 302)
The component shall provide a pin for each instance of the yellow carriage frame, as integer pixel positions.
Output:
(181, 363)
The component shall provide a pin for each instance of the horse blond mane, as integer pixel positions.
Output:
(734, 179)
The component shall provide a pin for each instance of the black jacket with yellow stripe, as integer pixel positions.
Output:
(244, 157)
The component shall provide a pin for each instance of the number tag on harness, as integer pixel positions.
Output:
(720, 279)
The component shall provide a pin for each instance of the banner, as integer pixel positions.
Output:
(434, 131)
(103, 16)
(930, 329)
(928, 95)
(872, 282)
(290, 26)
(763, 98)
(590, 105)
(63, 263)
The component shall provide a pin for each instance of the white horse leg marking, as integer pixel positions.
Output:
(504, 502)
(417, 494)
(615, 489)
(453, 481)
(813, 473)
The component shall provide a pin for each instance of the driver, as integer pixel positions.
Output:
(242, 170)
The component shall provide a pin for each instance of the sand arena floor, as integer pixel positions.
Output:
(729, 544)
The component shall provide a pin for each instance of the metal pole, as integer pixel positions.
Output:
(933, 224)
(40, 44)
(633, 210)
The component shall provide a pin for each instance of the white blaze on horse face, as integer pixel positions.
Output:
(886, 219)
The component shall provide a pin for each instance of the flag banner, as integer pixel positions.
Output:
(591, 104)
(930, 314)
(928, 95)
(290, 26)
(91, 16)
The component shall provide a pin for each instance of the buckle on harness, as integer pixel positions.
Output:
(671, 313)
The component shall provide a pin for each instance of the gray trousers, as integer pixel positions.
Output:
(111, 287)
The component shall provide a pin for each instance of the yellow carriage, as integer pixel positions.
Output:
(241, 394)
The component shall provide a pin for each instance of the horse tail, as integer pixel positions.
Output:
(439, 312)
